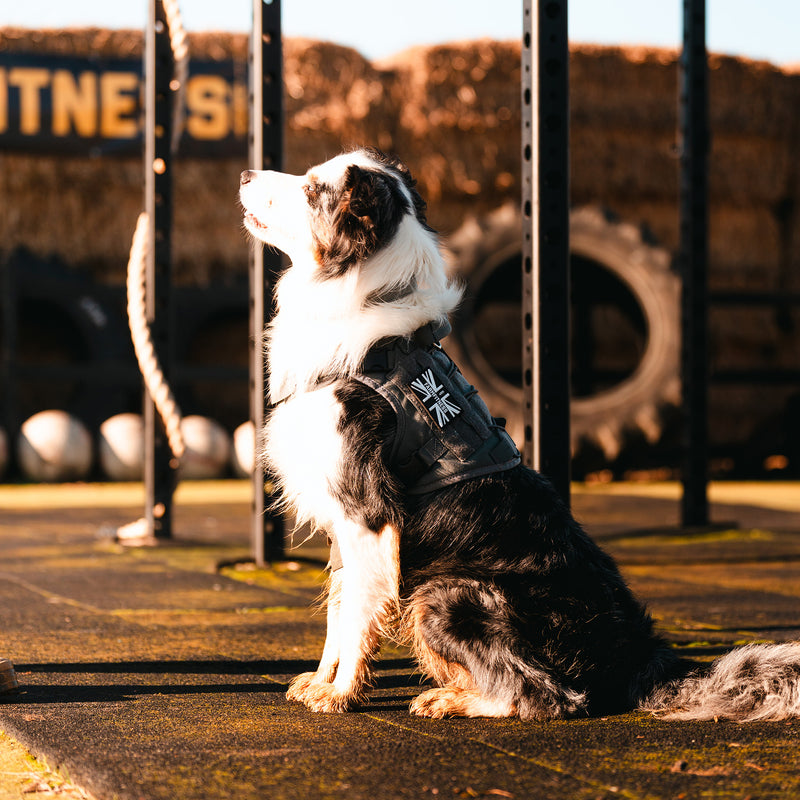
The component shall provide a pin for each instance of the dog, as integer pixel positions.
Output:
(440, 536)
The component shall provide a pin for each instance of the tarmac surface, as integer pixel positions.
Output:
(160, 672)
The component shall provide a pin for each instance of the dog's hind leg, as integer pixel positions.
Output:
(465, 637)
(457, 695)
(451, 701)
(367, 603)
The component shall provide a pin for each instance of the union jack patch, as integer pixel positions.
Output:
(435, 398)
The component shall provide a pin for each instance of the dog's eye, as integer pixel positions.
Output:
(314, 193)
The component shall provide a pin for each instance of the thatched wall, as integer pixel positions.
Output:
(453, 113)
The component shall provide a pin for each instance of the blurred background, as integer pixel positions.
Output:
(438, 84)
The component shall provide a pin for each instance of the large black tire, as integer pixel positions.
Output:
(479, 248)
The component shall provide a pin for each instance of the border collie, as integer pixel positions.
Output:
(439, 535)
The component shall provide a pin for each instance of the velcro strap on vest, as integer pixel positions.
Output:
(382, 357)
(425, 336)
(421, 461)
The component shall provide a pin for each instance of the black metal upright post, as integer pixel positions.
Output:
(266, 152)
(545, 252)
(160, 473)
(694, 261)
(8, 354)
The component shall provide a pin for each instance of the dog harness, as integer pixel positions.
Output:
(445, 433)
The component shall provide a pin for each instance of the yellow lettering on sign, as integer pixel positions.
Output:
(241, 110)
(3, 101)
(119, 93)
(74, 103)
(207, 101)
(30, 81)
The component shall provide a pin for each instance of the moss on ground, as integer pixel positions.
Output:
(23, 775)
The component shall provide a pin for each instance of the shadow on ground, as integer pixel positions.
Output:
(150, 674)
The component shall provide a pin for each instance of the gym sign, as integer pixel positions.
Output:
(87, 106)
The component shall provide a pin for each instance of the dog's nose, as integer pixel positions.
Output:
(247, 176)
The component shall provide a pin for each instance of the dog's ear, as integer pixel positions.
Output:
(361, 192)
(375, 199)
(367, 216)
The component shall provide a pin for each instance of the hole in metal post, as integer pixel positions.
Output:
(553, 10)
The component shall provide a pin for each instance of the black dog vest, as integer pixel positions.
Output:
(445, 433)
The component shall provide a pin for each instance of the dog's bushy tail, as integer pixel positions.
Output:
(758, 682)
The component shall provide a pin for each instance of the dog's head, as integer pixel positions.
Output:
(340, 213)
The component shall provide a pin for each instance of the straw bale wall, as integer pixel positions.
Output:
(452, 112)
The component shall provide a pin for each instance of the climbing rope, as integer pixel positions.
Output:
(179, 42)
(153, 375)
(149, 366)
(138, 532)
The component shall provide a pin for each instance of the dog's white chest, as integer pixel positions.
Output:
(304, 448)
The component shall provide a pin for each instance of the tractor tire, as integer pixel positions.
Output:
(479, 248)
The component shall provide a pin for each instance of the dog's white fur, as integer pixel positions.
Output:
(325, 323)
(345, 325)
(323, 327)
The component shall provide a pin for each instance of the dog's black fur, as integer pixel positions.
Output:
(509, 605)
(365, 216)
(507, 577)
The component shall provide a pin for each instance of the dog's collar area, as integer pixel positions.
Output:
(382, 356)
(323, 380)
(392, 295)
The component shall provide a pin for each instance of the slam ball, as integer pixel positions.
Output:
(244, 449)
(121, 447)
(208, 448)
(54, 446)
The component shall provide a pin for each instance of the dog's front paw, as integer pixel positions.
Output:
(299, 687)
(321, 696)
